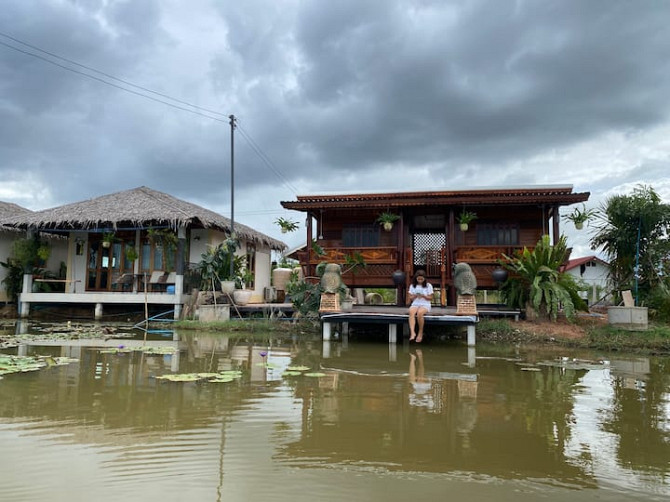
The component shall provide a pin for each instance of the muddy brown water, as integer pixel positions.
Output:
(376, 422)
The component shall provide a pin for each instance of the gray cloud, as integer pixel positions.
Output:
(335, 94)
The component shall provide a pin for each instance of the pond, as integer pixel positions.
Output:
(287, 417)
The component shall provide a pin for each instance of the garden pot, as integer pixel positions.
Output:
(106, 244)
(227, 287)
(242, 296)
(398, 277)
(499, 275)
(388, 226)
(579, 225)
(464, 227)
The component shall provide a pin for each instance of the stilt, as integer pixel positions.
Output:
(326, 349)
(393, 333)
(471, 335)
(393, 352)
(325, 331)
(472, 357)
(98, 311)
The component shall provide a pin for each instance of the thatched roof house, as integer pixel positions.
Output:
(8, 214)
(136, 208)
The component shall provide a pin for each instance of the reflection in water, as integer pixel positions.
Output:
(498, 425)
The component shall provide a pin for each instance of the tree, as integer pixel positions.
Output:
(538, 285)
(633, 232)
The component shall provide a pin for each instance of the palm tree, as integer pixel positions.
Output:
(633, 232)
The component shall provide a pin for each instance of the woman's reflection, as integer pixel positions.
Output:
(421, 394)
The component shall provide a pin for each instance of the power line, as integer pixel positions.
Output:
(110, 83)
(89, 68)
(254, 146)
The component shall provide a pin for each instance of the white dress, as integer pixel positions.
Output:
(421, 290)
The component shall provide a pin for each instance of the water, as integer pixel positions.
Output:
(382, 423)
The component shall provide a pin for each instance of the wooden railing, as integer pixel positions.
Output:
(483, 254)
(371, 255)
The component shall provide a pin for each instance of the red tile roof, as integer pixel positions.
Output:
(580, 261)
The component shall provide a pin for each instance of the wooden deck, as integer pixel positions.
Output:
(394, 316)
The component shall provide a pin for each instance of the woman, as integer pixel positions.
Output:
(420, 294)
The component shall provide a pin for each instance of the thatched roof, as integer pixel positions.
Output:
(8, 213)
(137, 208)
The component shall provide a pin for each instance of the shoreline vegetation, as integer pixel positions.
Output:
(582, 333)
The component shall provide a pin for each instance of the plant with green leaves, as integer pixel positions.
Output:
(387, 219)
(580, 216)
(538, 285)
(287, 225)
(215, 264)
(634, 233)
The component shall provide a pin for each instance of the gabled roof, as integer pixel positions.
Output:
(560, 195)
(580, 261)
(136, 208)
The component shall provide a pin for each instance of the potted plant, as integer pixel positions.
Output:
(580, 216)
(465, 218)
(287, 225)
(131, 253)
(107, 239)
(387, 219)
(242, 295)
(215, 265)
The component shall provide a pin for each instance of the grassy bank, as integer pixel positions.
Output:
(582, 333)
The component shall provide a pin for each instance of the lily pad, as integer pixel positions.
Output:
(292, 373)
(298, 368)
(315, 374)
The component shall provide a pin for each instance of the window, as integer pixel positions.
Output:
(498, 234)
(354, 236)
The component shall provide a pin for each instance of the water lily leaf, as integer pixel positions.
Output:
(298, 368)
(292, 373)
(221, 380)
(315, 374)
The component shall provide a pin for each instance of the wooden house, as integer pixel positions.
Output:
(427, 234)
(116, 255)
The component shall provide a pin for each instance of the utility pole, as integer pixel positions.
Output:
(232, 186)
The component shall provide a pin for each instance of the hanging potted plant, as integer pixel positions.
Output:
(465, 218)
(107, 239)
(387, 219)
(131, 253)
(580, 216)
(287, 225)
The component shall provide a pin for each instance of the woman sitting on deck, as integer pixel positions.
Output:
(420, 294)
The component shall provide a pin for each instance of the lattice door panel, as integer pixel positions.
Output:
(427, 251)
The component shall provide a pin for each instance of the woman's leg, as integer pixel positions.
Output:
(412, 322)
(421, 312)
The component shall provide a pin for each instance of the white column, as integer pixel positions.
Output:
(472, 357)
(471, 335)
(325, 331)
(98, 311)
(393, 333)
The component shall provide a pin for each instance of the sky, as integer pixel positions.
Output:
(98, 96)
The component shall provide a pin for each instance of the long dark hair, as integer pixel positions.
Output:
(419, 273)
